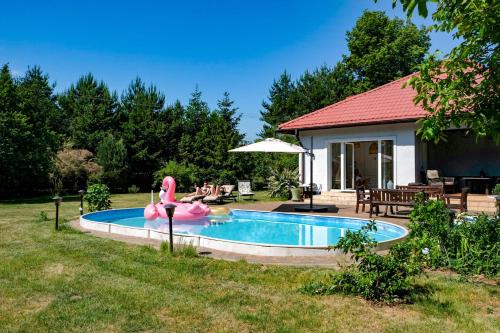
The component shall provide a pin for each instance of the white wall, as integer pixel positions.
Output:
(403, 135)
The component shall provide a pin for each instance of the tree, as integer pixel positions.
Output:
(112, 157)
(463, 88)
(194, 145)
(324, 86)
(223, 165)
(16, 139)
(383, 49)
(143, 130)
(173, 117)
(8, 98)
(280, 106)
(90, 108)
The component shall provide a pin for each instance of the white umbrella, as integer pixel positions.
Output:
(272, 145)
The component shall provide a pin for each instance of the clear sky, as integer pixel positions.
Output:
(238, 46)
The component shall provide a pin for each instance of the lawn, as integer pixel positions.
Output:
(70, 281)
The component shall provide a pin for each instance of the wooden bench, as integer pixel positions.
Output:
(394, 198)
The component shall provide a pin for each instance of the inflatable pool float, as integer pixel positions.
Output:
(183, 211)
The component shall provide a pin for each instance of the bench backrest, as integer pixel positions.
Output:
(397, 195)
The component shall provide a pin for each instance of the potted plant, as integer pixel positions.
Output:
(284, 183)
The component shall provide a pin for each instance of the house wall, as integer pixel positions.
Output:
(403, 135)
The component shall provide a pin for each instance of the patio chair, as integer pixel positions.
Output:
(361, 198)
(244, 189)
(462, 205)
(434, 178)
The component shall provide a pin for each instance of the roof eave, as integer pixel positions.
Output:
(368, 123)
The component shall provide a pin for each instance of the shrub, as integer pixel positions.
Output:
(496, 190)
(430, 226)
(467, 245)
(72, 168)
(376, 278)
(281, 181)
(186, 175)
(98, 197)
(474, 246)
(133, 189)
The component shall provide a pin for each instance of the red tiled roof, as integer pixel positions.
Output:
(385, 104)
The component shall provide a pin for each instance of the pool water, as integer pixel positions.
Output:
(256, 227)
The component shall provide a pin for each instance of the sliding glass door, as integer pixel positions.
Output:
(387, 164)
(336, 166)
(349, 166)
(369, 163)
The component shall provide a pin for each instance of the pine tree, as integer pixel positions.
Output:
(90, 108)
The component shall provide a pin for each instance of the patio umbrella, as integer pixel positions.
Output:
(272, 145)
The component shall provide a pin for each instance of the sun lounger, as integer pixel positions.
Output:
(192, 198)
(227, 192)
(244, 189)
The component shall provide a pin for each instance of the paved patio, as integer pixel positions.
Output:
(331, 261)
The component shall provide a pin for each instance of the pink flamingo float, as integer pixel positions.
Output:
(183, 211)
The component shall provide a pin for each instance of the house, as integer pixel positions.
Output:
(374, 134)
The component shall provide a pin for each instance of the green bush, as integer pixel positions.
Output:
(281, 181)
(474, 246)
(496, 190)
(98, 197)
(467, 245)
(377, 278)
(134, 189)
(186, 175)
(430, 226)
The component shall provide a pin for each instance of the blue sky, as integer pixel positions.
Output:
(238, 46)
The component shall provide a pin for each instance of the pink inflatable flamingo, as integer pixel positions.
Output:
(183, 211)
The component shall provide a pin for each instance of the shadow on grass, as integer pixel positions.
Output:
(423, 297)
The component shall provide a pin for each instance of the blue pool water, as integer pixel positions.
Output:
(256, 227)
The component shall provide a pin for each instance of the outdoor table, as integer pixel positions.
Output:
(477, 182)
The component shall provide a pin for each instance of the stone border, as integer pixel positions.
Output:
(229, 245)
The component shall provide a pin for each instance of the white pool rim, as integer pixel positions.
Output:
(225, 245)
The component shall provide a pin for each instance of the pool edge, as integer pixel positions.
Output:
(246, 248)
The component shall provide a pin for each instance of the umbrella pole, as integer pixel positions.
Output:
(311, 156)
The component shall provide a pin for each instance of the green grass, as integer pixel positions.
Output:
(69, 281)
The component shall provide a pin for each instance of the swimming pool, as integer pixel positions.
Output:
(244, 231)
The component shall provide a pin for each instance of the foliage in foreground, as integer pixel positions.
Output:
(461, 90)
(98, 197)
(468, 246)
(437, 240)
(377, 278)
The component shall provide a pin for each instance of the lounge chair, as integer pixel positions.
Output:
(192, 198)
(244, 189)
(227, 192)
(215, 196)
